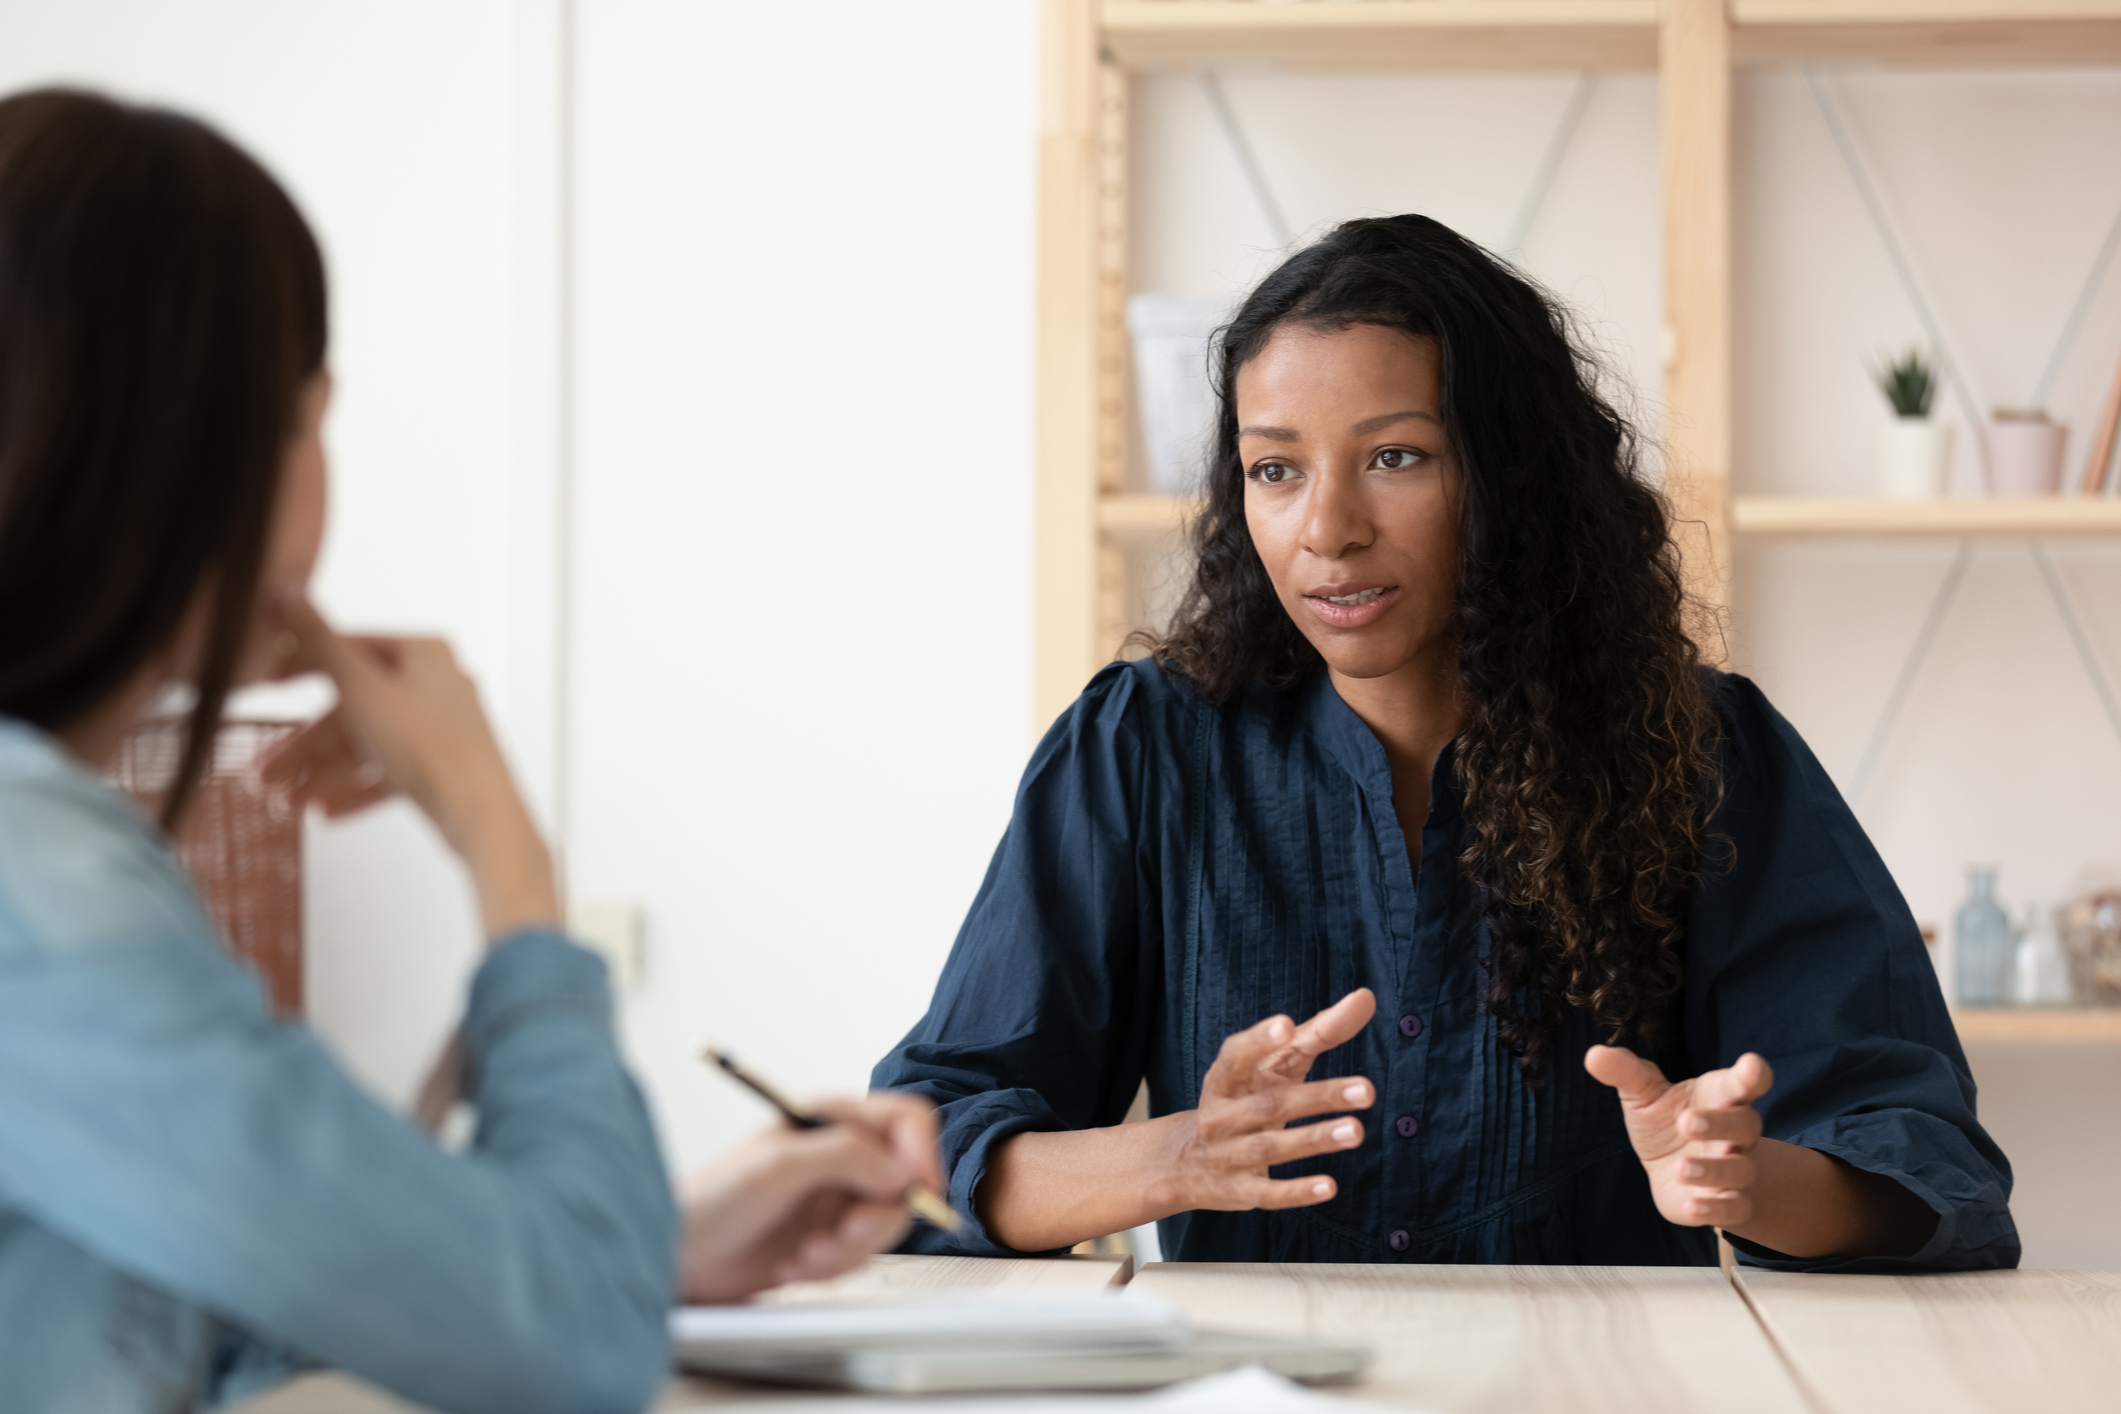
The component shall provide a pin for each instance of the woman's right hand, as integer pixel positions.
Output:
(1250, 1096)
(1046, 1190)
(806, 1204)
(409, 722)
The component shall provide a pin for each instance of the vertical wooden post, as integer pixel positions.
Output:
(1695, 67)
(1069, 217)
(1114, 366)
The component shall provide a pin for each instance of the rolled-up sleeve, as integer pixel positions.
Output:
(1804, 951)
(1037, 1022)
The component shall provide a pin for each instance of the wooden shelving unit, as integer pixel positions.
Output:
(1085, 520)
(2073, 1024)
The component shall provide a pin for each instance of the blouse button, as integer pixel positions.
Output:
(1407, 1126)
(1399, 1240)
(1410, 1026)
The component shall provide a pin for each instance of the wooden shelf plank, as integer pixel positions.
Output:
(1506, 35)
(1521, 35)
(1138, 517)
(2004, 1023)
(1931, 33)
(1921, 12)
(1134, 518)
(2036, 518)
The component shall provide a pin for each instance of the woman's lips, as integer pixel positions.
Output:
(1370, 601)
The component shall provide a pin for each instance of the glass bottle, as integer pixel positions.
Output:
(2043, 971)
(1981, 942)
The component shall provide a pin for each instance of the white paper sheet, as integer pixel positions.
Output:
(1063, 1314)
(1250, 1390)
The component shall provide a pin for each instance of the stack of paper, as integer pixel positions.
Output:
(1015, 1339)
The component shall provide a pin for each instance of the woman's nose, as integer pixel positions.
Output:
(1336, 521)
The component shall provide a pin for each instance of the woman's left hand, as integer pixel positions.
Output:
(1695, 1138)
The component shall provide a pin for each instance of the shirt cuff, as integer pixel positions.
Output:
(972, 1127)
(1974, 1229)
(533, 971)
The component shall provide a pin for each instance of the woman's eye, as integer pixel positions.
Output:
(1273, 473)
(1397, 458)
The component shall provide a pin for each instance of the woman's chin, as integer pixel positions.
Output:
(1365, 661)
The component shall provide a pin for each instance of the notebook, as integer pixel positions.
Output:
(1008, 1339)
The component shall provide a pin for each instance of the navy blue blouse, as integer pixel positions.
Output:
(1176, 872)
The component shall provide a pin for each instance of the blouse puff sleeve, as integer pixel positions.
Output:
(1038, 1020)
(1801, 948)
(159, 1117)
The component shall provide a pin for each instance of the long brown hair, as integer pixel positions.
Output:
(1586, 754)
(162, 304)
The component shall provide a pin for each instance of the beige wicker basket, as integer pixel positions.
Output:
(241, 842)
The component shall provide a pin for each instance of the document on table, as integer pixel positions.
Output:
(965, 1343)
(1249, 1390)
(1039, 1316)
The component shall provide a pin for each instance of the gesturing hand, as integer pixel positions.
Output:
(1695, 1138)
(1254, 1089)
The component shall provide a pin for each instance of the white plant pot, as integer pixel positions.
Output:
(2025, 458)
(1915, 459)
(1177, 403)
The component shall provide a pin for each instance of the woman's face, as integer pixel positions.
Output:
(297, 533)
(1351, 493)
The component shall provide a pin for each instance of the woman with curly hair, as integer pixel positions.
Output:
(1429, 759)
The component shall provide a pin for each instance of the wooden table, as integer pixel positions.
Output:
(1566, 1340)
(1512, 1340)
(1966, 1343)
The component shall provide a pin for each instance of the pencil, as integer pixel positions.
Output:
(920, 1199)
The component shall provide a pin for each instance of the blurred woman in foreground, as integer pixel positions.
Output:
(194, 1199)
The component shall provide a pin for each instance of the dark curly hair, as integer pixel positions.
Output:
(1586, 752)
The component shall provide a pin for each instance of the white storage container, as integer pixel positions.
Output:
(1170, 334)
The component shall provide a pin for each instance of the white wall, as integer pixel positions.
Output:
(388, 121)
(2003, 185)
(797, 489)
(802, 514)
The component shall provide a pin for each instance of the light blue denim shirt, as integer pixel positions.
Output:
(196, 1200)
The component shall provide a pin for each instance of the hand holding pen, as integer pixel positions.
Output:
(922, 1200)
(805, 1204)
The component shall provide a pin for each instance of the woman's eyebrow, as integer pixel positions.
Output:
(1272, 434)
(1372, 424)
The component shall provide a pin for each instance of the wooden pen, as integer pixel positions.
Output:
(921, 1200)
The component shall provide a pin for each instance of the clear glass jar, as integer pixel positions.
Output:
(2042, 968)
(1982, 943)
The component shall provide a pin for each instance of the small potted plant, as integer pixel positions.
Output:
(1916, 452)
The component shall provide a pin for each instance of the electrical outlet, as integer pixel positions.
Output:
(613, 931)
